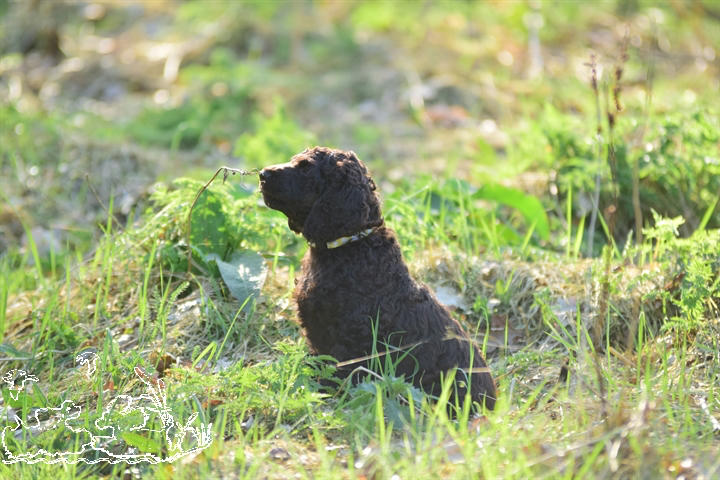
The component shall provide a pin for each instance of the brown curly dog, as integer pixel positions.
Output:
(355, 295)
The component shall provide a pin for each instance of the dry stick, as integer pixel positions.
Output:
(227, 171)
(636, 185)
(621, 357)
(591, 231)
(646, 114)
(598, 134)
(619, 71)
(610, 220)
(348, 379)
(117, 222)
(408, 347)
(611, 115)
(605, 292)
(379, 354)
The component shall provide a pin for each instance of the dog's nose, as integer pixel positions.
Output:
(273, 170)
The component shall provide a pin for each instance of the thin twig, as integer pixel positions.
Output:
(379, 354)
(621, 357)
(609, 214)
(636, 183)
(591, 232)
(117, 222)
(598, 135)
(227, 171)
(355, 371)
(646, 114)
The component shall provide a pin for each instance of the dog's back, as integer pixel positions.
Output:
(360, 299)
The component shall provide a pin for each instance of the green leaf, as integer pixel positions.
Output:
(23, 400)
(529, 207)
(172, 260)
(144, 444)
(8, 350)
(396, 413)
(207, 226)
(244, 274)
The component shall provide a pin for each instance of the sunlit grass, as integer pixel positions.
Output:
(615, 412)
(640, 401)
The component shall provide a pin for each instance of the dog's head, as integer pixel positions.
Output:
(325, 193)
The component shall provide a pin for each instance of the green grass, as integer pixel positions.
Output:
(617, 413)
(607, 365)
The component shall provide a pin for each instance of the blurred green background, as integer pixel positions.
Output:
(488, 92)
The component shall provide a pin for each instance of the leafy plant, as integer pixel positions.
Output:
(694, 268)
(275, 139)
(679, 171)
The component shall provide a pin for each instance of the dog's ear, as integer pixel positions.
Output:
(348, 203)
(354, 158)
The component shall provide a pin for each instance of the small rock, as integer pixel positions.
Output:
(279, 454)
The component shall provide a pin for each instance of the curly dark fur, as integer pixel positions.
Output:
(350, 295)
